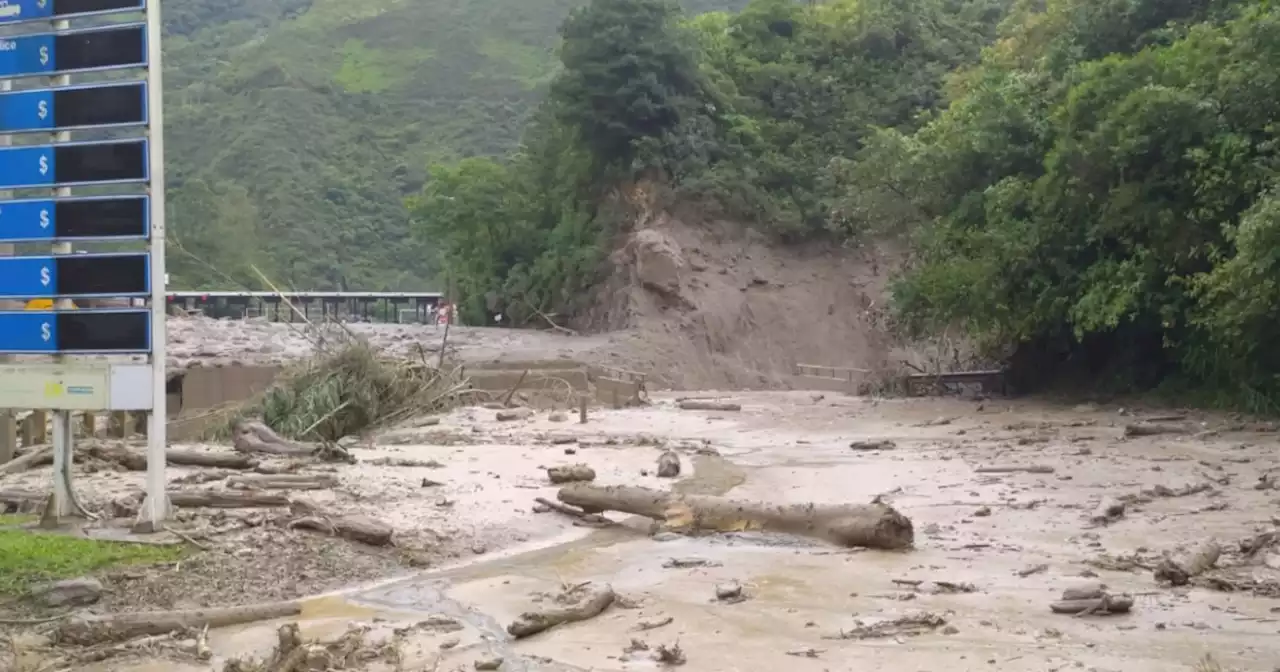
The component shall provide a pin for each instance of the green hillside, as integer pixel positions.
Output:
(296, 128)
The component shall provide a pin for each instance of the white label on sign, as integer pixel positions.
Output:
(79, 387)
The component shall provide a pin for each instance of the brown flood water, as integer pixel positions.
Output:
(982, 529)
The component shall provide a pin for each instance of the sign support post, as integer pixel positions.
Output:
(156, 507)
(63, 437)
(8, 420)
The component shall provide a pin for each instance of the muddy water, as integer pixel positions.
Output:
(987, 530)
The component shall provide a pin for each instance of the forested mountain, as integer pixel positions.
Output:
(295, 128)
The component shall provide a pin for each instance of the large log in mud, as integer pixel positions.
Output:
(875, 525)
(91, 629)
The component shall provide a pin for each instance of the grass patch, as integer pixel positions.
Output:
(28, 558)
(9, 519)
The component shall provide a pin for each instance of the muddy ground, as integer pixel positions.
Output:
(993, 550)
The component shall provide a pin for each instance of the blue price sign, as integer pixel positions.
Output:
(20, 11)
(76, 163)
(73, 107)
(92, 218)
(79, 275)
(83, 332)
(74, 51)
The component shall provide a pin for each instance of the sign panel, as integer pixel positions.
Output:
(81, 387)
(75, 276)
(93, 218)
(70, 164)
(19, 11)
(73, 107)
(75, 332)
(74, 51)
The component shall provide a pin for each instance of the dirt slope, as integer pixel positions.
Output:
(713, 304)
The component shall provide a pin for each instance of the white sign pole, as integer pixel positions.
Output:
(156, 507)
(63, 434)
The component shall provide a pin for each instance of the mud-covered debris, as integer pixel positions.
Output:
(488, 663)
(578, 603)
(668, 465)
(1108, 511)
(1102, 606)
(1032, 569)
(68, 593)
(513, 414)
(643, 626)
(1152, 429)
(688, 563)
(572, 473)
(730, 593)
(936, 587)
(873, 444)
(982, 512)
(805, 653)
(903, 626)
(1015, 469)
(636, 645)
(1165, 492)
(1180, 571)
(700, 405)
(670, 655)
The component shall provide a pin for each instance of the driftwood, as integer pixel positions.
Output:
(699, 405)
(91, 629)
(358, 528)
(1109, 510)
(571, 473)
(592, 518)
(1152, 429)
(873, 444)
(576, 604)
(1015, 469)
(134, 460)
(875, 525)
(1107, 604)
(668, 465)
(21, 500)
(1180, 572)
(224, 499)
(283, 482)
(31, 459)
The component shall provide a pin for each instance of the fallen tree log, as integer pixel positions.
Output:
(21, 501)
(577, 604)
(1180, 572)
(223, 499)
(875, 525)
(32, 459)
(89, 629)
(358, 528)
(137, 461)
(699, 405)
(283, 481)
(1152, 429)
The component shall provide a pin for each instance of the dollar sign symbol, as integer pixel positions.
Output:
(44, 277)
(44, 164)
(44, 219)
(44, 331)
(42, 4)
(44, 55)
(42, 109)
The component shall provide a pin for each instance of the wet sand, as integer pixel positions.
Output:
(988, 530)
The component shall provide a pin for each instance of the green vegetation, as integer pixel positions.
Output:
(28, 558)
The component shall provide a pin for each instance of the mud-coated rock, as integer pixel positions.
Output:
(489, 663)
(669, 465)
(68, 593)
(658, 261)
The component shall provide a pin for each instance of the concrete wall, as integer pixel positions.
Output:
(193, 393)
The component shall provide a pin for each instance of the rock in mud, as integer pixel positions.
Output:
(730, 593)
(489, 663)
(69, 593)
(668, 465)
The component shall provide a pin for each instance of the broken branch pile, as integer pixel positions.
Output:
(875, 525)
